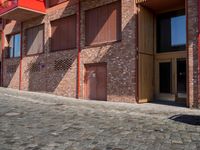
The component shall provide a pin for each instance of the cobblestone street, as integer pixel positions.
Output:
(30, 121)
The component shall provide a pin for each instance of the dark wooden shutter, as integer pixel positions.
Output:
(63, 33)
(35, 40)
(55, 2)
(103, 24)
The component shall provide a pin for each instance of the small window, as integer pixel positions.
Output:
(14, 48)
(178, 31)
(55, 2)
(103, 24)
(35, 40)
(171, 32)
(63, 33)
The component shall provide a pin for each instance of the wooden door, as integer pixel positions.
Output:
(96, 82)
(145, 53)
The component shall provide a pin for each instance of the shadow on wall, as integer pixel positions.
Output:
(10, 65)
(120, 59)
(11, 72)
(187, 119)
(56, 71)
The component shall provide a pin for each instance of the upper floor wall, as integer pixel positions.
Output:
(21, 10)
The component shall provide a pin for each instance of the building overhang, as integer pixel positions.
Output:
(21, 10)
(162, 5)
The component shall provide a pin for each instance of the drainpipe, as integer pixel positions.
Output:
(198, 49)
(21, 48)
(78, 47)
(2, 52)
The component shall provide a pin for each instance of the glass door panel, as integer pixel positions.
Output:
(165, 70)
(181, 78)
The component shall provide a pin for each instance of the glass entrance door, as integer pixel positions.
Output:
(170, 79)
(164, 80)
(165, 71)
(181, 78)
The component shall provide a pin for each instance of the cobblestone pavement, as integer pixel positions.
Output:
(30, 121)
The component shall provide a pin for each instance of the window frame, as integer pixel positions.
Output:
(66, 49)
(119, 23)
(43, 42)
(171, 48)
(8, 48)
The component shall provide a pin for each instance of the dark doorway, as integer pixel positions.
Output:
(181, 80)
(96, 81)
(165, 77)
(181, 75)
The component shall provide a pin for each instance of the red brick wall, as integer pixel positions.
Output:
(119, 56)
(11, 66)
(193, 52)
(39, 74)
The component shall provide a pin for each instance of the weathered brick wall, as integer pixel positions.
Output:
(39, 73)
(11, 66)
(120, 56)
(45, 77)
(193, 52)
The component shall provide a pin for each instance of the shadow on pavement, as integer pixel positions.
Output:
(187, 119)
(168, 103)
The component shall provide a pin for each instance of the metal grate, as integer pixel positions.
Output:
(35, 67)
(64, 64)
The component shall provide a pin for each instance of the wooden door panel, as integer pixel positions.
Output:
(146, 31)
(146, 51)
(91, 83)
(96, 82)
(145, 78)
(101, 83)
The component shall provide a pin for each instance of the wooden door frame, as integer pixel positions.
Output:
(187, 57)
(159, 95)
(137, 54)
(168, 57)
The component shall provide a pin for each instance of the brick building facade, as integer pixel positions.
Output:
(105, 48)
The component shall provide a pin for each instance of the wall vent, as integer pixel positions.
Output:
(11, 68)
(63, 65)
(35, 67)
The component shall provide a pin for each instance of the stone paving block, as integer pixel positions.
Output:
(56, 123)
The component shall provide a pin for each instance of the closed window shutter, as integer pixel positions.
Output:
(35, 40)
(103, 24)
(63, 33)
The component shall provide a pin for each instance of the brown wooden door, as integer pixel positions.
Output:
(146, 49)
(96, 82)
